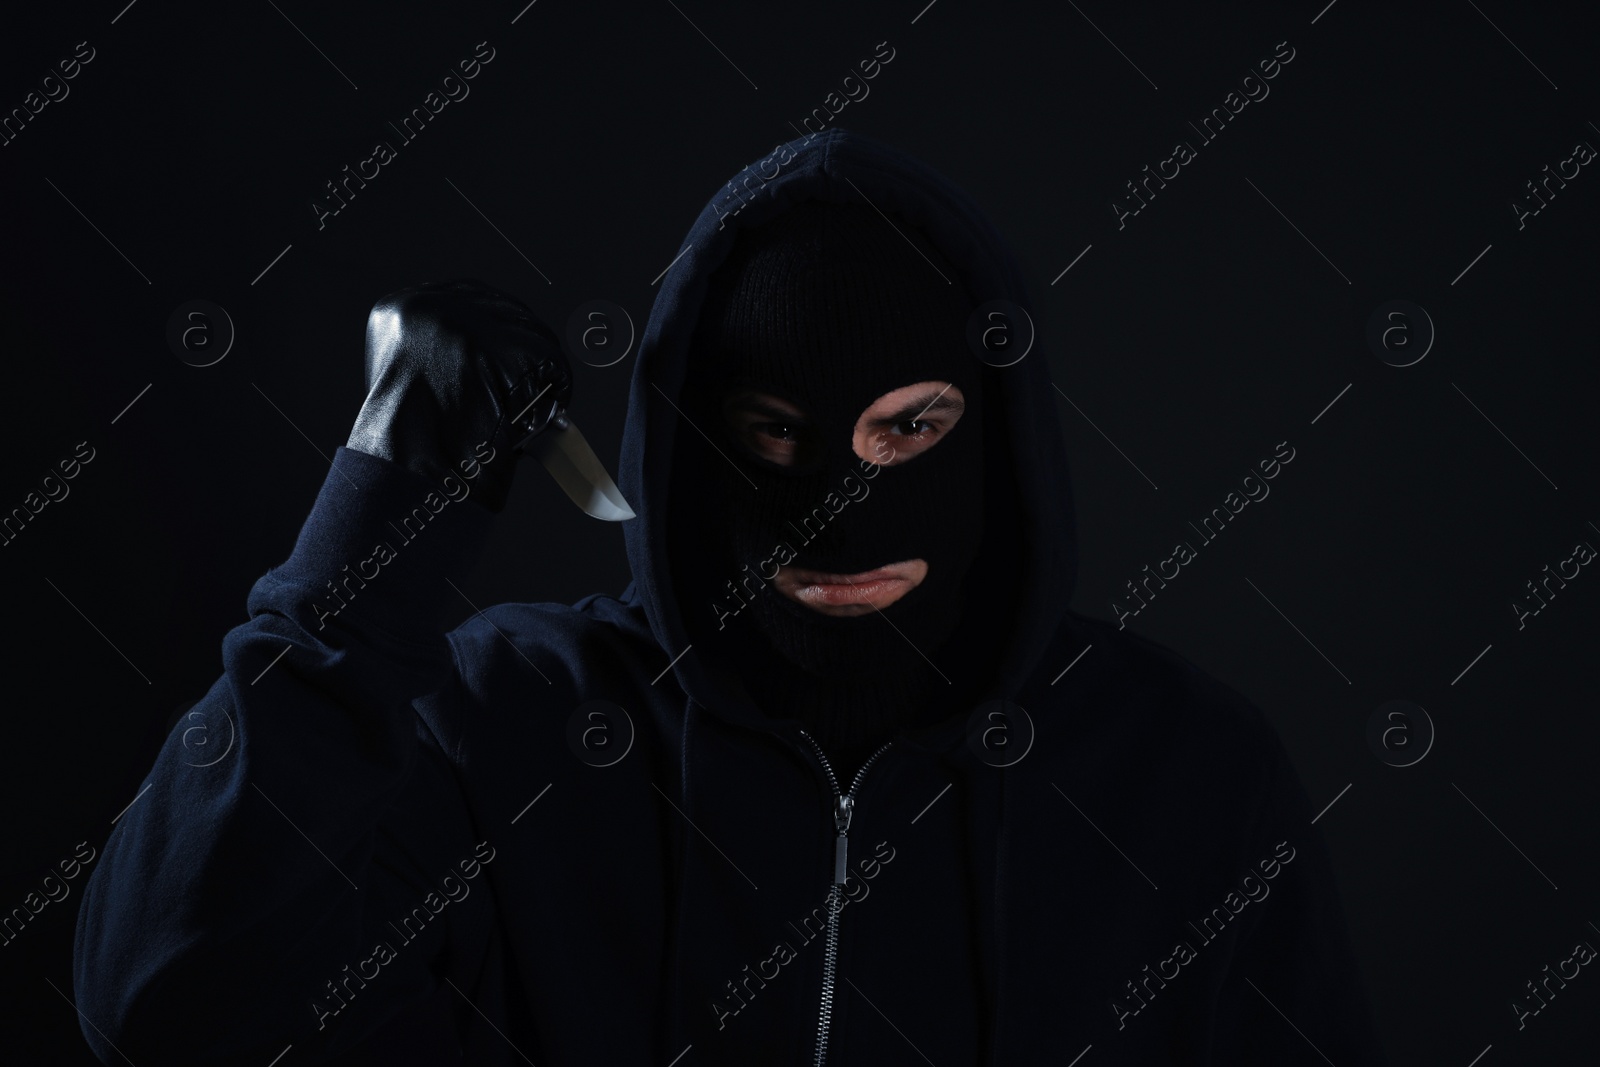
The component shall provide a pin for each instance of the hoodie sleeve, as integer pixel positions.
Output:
(1293, 992)
(284, 875)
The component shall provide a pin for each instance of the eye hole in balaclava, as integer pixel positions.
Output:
(830, 369)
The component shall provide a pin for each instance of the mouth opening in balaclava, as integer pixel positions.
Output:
(828, 308)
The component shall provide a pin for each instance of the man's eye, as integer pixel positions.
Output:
(782, 431)
(910, 428)
(778, 441)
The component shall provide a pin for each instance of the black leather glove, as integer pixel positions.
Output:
(457, 371)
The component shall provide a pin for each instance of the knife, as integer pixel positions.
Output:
(575, 467)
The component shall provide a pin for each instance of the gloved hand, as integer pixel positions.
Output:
(455, 369)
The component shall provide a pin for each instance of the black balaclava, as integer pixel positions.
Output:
(831, 306)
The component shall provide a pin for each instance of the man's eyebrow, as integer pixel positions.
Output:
(916, 408)
(762, 404)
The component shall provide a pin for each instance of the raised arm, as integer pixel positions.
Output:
(304, 875)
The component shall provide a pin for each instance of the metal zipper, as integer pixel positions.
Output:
(844, 806)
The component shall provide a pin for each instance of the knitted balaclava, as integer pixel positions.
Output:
(830, 307)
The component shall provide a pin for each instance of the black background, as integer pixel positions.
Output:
(1196, 338)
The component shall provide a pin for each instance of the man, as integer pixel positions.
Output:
(852, 810)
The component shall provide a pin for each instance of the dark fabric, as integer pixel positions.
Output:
(403, 840)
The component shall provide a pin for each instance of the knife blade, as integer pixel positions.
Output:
(573, 464)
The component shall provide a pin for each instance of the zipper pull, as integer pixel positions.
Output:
(844, 807)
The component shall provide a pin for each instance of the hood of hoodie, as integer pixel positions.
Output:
(845, 167)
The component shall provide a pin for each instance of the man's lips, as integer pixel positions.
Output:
(850, 594)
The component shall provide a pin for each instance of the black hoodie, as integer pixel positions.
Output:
(559, 835)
